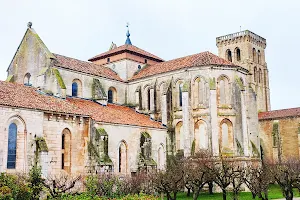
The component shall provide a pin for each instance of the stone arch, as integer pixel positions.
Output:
(27, 79)
(238, 54)
(145, 145)
(201, 135)
(223, 91)
(161, 157)
(228, 55)
(20, 145)
(76, 88)
(122, 157)
(199, 91)
(226, 136)
(179, 136)
(112, 95)
(66, 147)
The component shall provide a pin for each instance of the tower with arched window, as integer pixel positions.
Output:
(247, 49)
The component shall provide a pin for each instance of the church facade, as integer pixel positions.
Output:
(127, 110)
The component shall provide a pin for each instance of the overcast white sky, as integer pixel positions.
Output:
(166, 28)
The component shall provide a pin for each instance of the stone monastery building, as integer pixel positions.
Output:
(126, 109)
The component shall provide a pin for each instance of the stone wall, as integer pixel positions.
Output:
(287, 138)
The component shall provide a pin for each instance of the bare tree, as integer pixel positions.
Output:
(286, 174)
(197, 172)
(170, 181)
(60, 184)
(258, 179)
(237, 178)
(222, 170)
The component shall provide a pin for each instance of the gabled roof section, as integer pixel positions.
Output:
(18, 95)
(85, 67)
(21, 96)
(276, 114)
(31, 31)
(200, 59)
(114, 113)
(127, 49)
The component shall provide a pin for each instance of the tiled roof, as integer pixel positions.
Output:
(291, 112)
(200, 59)
(114, 113)
(18, 95)
(86, 67)
(126, 48)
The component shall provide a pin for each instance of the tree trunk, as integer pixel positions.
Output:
(210, 187)
(188, 192)
(196, 194)
(224, 194)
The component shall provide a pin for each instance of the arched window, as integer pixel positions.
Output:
(228, 55)
(259, 76)
(74, 89)
(159, 94)
(179, 136)
(224, 93)
(254, 54)
(122, 158)
(180, 94)
(66, 150)
(12, 146)
(238, 54)
(201, 136)
(145, 145)
(161, 158)
(258, 57)
(254, 74)
(199, 92)
(202, 91)
(27, 79)
(226, 136)
(112, 95)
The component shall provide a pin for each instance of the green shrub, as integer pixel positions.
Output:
(36, 182)
(14, 187)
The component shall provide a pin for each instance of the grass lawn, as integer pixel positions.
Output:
(274, 193)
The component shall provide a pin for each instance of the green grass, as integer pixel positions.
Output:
(274, 193)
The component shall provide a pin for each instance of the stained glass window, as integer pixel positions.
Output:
(12, 146)
(74, 89)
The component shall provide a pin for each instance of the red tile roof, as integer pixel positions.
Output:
(200, 59)
(18, 95)
(126, 48)
(291, 112)
(86, 67)
(114, 113)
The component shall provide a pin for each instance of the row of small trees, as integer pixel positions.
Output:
(233, 174)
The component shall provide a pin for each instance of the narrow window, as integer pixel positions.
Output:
(254, 74)
(149, 98)
(12, 146)
(238, 54)
(62, 161)
(254, 54)
(74, 89)
(180, 94)
(146, 61)
(120, 159)
(222, 92)
(108, 59)
(110, 96)
(63, 141)
(259, 76)
(258, 57)
(229, 55)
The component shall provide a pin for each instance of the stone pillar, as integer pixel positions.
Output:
(186, 122)
(244, 124)
(164, 117)
(214, 118)
(44, 163)
(152, 100)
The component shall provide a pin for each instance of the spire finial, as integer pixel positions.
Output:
(29, 24)
(128, 42)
